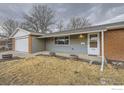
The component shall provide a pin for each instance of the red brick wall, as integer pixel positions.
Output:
(13, 43)
(114, 44)
(30, 44)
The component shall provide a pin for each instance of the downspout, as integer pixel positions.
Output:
(44, 44)
(102, 65)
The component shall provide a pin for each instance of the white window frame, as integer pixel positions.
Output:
(62, 44)
(98, 45)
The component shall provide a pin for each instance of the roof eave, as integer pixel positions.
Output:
(115, 27)
(36, 34)
(14, 32)
(74, 33)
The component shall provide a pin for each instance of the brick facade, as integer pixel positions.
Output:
(13, 44)
(114, 44)
(30, 44)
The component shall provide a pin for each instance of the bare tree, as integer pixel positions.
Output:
(60, 25)
(9, 25)
(40, 19)
(78, 22)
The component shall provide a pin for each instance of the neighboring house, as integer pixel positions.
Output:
(5, 43)
(101, 40)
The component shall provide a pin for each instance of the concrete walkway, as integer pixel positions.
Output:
(82, 56)
(16, 54)
(27, 55)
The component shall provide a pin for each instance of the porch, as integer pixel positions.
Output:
(62, 54)
(68, 55)
(87, 45)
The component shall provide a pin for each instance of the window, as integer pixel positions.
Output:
(93, 44)
(93, 37)
(62, 40)
(93, 40)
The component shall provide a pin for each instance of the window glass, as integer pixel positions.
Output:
(93, 40)
(66, 37)
(62, 40)
(93, 37)
(66, 41)
(93, 44)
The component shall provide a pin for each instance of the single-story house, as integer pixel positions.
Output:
(105, 40)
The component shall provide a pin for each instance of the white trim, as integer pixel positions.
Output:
(74, 33)
(21, 37)
(18, 29)
(14, 32)
(115, 27)
(62, 44)
(98, 43)
(102, 65)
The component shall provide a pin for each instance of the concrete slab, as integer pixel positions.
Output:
(16, 54)
(82, 56)
(27, 55)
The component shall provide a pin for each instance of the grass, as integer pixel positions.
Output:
(44, 70)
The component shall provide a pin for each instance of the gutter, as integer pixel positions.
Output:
(73, 33)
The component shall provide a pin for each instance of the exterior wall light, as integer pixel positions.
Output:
(81, 36)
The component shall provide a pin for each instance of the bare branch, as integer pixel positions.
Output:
(60, 25)
(78, 22)
(9, 25)
(40, 18)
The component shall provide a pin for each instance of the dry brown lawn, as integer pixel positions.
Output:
(44, 70)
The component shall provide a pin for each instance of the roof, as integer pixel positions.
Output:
(95, 28)
(31, 33)
(36, 33)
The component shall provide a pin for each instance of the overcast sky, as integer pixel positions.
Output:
(96, 13)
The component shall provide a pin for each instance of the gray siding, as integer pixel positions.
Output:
(74, 47)
(37, 44)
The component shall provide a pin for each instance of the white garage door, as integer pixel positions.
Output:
(21, 45)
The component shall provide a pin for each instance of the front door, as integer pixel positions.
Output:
(93, 44)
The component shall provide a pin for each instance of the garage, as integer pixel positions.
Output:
(21, 44)
(26, 41)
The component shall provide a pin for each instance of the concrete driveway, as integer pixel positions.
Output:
(16, 54)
